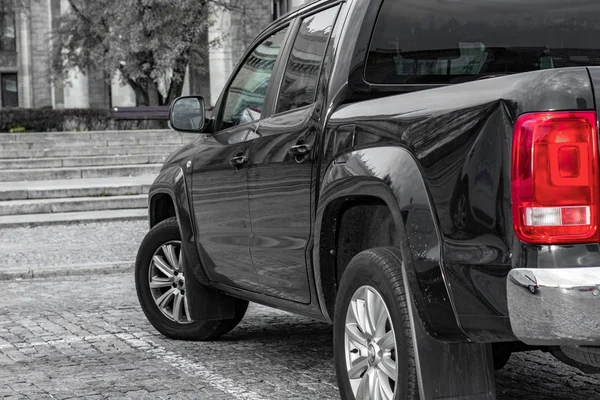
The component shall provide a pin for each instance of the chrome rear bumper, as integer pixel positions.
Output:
(555, 306)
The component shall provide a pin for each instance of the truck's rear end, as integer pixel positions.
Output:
(554, 293)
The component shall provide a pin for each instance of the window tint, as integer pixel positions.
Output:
(10, 91)
(245, 97)
(432, 41)
(299, 86)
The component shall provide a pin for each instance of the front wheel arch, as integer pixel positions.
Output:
(162, 207)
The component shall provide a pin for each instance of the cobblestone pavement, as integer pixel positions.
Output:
(86, 337)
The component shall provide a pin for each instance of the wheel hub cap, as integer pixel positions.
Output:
(167, 283)
(372, 354)
(370, 346)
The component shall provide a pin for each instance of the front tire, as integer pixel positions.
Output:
(161, 285)
(372, 339)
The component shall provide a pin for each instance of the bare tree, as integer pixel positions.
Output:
(151, 42)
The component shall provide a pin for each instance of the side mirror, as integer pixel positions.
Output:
(187, 114)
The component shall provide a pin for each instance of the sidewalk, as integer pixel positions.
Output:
(78, 249)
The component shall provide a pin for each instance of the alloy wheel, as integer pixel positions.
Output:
(167, 282)
(370, 346)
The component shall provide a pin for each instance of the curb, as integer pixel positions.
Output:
(69, 270)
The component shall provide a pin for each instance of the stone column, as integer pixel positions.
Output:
(25, 76)
(122, 95)
(77, 87)
(76, 90)
(220, 57)
(296, 3)
(52, 84)
(197, 76)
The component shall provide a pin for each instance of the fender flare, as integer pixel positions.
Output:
(172, 182)
(367, 173)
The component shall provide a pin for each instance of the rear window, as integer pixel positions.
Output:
(453, 41)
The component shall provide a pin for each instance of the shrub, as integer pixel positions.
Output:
(50, 120)
(17, 129)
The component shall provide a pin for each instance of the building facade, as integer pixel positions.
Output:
(25, 79)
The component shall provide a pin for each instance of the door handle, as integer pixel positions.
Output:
(238, 161)
(299, 150)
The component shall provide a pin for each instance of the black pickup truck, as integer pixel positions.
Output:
(424, 174)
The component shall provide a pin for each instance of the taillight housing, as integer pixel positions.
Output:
(555, 178)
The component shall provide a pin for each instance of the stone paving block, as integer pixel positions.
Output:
(98, 345)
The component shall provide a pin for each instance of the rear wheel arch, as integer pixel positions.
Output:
(350, 225)
(404, 189)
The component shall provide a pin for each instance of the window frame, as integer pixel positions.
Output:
(292, 41)
(221, 102)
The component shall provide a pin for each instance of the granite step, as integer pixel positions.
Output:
(9, 221)
(69, 152)
(92, 135)
(90, 143)
(55, 189)
(93, 161)
(38, 174)
(77, 204)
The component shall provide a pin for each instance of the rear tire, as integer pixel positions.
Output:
(368, 344)
(158, 264)
(584, 355)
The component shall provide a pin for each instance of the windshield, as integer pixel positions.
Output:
(453, 41)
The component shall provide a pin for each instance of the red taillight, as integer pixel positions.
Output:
(555, 178)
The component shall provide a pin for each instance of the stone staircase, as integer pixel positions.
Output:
(50, 178)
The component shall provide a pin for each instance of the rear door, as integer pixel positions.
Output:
(281, 164)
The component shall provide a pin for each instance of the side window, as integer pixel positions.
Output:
(445, 42)
(299, 85)
(9, 91)
(245, 97)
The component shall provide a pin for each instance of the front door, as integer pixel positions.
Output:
(280, 176)
(220, 171)
(220, 204)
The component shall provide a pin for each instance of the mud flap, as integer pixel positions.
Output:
(206, 303)
(463, 371)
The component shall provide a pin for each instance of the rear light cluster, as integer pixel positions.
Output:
(555, 178)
